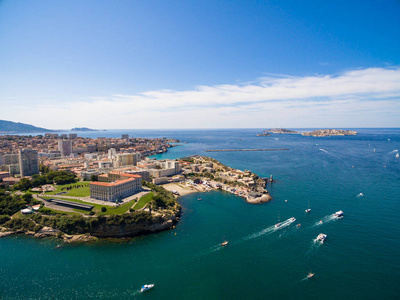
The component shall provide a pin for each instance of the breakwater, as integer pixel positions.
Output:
(233, 150)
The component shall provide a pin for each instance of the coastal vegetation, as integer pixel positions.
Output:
(11, 204)
(101, 220)
(52, 177)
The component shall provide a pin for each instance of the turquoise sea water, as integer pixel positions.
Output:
(359, 259)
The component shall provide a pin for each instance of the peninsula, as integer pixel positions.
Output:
(329, 132)
(77, 201)
(13, 127)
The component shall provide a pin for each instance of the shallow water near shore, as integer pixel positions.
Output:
(359, 259)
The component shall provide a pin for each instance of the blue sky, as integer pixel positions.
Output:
(200, 64)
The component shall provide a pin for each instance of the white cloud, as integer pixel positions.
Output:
(357, 98)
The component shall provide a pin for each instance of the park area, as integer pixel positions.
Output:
(78, 189)
(111, 210)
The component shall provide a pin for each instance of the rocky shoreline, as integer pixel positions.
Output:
(166, 221)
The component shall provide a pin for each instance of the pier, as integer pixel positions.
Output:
(232, 150)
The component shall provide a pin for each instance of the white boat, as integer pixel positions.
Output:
(308, 209)
(146, 287)
(397, 155)
(321, 238)
(224, 243)
(277, 225)
(291, 220)
(310, 275)
(339, 213)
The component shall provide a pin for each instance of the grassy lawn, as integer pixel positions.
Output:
(74, 192)
(143, 201)
(111, 210)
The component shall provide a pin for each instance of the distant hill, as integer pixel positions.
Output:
(12, 127)
(82, 129)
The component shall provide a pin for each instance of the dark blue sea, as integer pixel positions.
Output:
(360, 258)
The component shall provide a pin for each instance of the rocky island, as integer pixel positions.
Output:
(265, 133)
(83, 129)
(329, 132)
(282, 131)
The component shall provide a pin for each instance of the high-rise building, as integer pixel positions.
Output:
(28, 162)
(10, 159)
(125, 137)
(73, 135)
(65, 147)
(112, 153)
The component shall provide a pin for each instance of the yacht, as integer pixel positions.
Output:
(224, 243)
(310, 275)
(321, 238)
(291, 220)
(146, 287)
(339, 213)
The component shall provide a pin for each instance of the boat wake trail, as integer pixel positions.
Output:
(326, 219)
(323, 150)
(394, 151)
(265, 231)
(284, 224)
(210, 250)
(314, 246)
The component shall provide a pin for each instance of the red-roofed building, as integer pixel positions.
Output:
(119, 189)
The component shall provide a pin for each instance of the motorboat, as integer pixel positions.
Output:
(321, 238)
(291, 220)
(310, 275)
(277, 225)
(199, 199)
(146, 287)
(339, 213)
(397, 155)
(224, 243)
(308, 209)
(298, 225)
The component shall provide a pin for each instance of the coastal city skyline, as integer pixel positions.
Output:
(200, 65)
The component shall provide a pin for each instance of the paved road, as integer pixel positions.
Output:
(53, 205)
